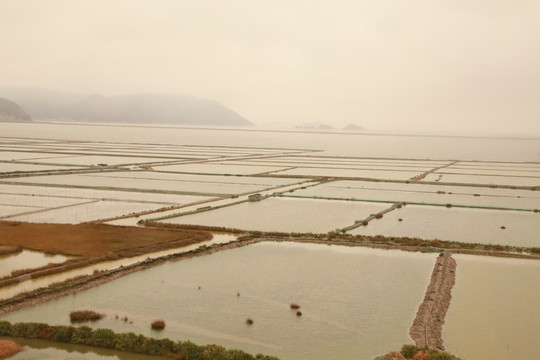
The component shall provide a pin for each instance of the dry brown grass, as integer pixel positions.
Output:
(9, 249)
(9, 348)
(95, 239)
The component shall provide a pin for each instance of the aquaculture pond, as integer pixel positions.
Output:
(44, 281)
(425, 193)
(285, 214)
(504, 227)
(494, 310)
(356, 303)
(27, 259)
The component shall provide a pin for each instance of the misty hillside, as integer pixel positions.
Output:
(11, 112)
(353, 127)
(314, 126)
(152, 108)
(41, 103)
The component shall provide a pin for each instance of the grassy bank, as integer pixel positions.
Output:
(129, 342)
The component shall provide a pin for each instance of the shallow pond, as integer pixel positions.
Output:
(48, 350)
(458, 224)
(41, 282)
(494, 309)
(87, 211)
(485, 179)
(285, 214)
(27, 259)
(423, 193)
(356, 302)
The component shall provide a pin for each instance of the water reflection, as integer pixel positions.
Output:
(27, 259)
(47, 350)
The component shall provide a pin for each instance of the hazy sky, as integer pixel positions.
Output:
(457, 65)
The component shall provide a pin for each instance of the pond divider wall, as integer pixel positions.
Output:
(426, 330)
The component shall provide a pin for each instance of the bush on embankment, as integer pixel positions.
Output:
(129, 342)
(413, 352)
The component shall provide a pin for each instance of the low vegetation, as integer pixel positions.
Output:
(84, 315)
(158, 325)
(130, 342)
(92, 240)
(409, 351)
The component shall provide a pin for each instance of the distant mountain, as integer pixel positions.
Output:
(314, 126)
(41, 103)
(137, 108)
(11, 112)
(353, 127)
(153, 108)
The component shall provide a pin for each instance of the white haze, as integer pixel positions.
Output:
(459, 66)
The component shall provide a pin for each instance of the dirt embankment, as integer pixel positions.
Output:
(426, 330)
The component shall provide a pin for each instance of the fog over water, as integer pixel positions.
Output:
(457, 67)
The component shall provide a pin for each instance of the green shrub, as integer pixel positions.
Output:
(191, 351)
(103, 338)
(32, 331)
(265, 357)
(408, 351)
(153, 346)
(18, 330)
(129, 342)
(5, 328)
(235, 354)
(214, 352)
(437, 355)
(81, 335)
(62, 333)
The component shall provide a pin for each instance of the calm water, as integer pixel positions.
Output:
(45, 350)
(420, 147)
(285, 214)
(356, 302)
(494, 310)
(27, 259)
(458, 224)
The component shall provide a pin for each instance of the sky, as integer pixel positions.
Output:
(456, 66)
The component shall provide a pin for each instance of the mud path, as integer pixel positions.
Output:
(426, 330)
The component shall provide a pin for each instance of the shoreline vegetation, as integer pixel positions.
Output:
(128, 342)
(414, 352)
